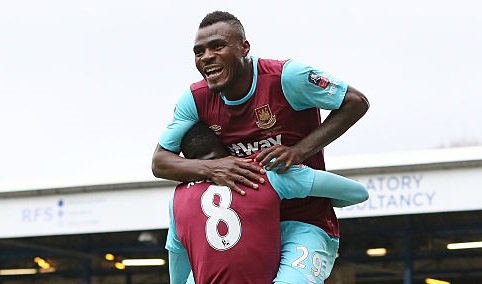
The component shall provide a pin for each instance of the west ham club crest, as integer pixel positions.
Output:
(264, 117)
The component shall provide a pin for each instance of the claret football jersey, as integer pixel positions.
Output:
(282, 107)
(231, 238)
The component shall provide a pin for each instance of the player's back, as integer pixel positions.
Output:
(229, 238)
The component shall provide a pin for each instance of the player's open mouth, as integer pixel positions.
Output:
(213, 71)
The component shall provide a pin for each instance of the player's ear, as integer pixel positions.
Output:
(245, 47)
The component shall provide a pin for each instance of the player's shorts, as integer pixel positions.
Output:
(307, 254)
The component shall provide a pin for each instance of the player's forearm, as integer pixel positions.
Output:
(354, 106)
(171, 166)
(341, 190)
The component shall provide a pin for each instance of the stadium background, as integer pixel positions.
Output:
(86, 89)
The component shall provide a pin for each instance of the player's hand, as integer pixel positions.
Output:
(231, 171)
(285, 157)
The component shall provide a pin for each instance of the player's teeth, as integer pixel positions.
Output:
(212, 69)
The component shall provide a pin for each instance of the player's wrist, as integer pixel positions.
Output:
(205, 168)
(301, 153)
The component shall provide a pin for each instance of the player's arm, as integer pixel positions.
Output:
(301, 181)
(167, 164)
(225, 171)
(354, 106)
(342, 191)
(305, 87)
(179, 268)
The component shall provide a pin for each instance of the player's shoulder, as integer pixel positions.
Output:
(194, 184)
(270, 66)
(294, 66)
(200, 87)
(190, 190)
(295, 72)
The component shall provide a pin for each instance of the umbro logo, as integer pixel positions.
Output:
(216, 128)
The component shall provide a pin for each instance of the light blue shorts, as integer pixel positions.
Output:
(307, 254)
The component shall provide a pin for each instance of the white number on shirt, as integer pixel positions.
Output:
(217, 213)
(316, 261)
(300, 261)
(316, 270)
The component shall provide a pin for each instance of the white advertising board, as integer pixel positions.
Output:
(396, 193)
(78, 213)
(418, 192)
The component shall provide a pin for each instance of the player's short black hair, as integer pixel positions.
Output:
(199, 141)
(226, 17)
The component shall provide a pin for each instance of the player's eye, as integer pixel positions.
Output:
(218, 47)
(198, 52)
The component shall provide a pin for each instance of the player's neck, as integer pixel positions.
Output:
(242, 85)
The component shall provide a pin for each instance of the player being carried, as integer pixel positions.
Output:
(228, 238)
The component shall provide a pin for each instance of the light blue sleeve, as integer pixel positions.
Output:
(179, 268)
(173, 243)
(306, 87)
(296, 182)
(300, 181)
(342, 191)
(185, 116)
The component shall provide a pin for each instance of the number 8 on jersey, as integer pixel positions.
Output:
(218, 213)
